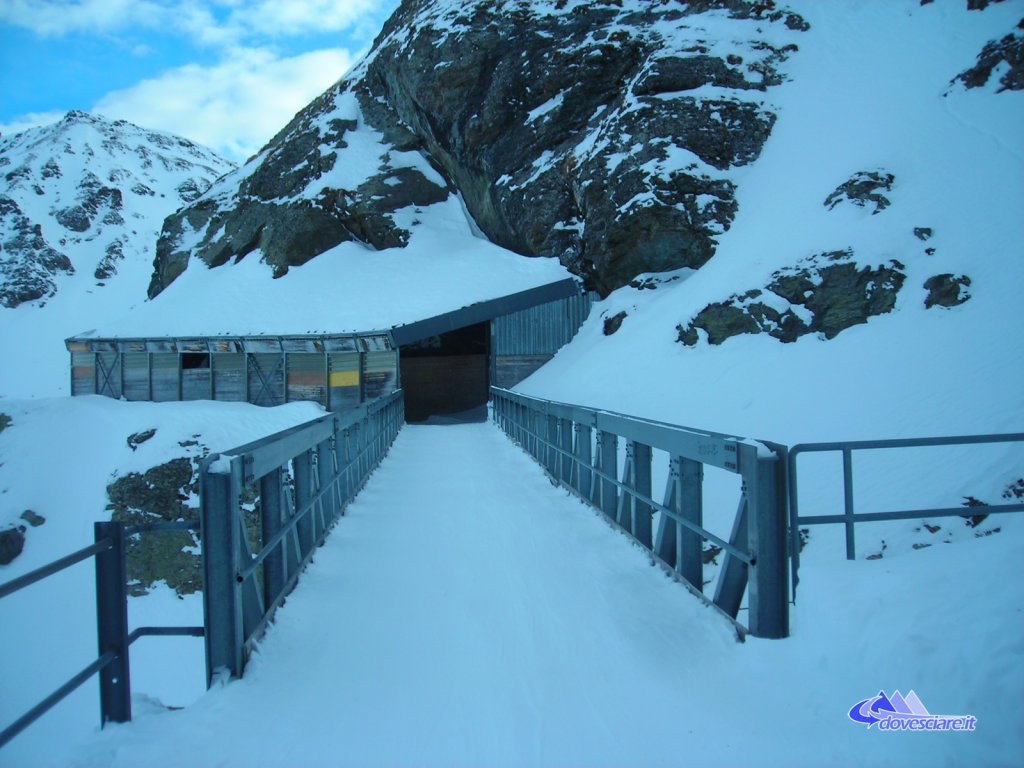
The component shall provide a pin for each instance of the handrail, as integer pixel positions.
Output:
(30, 578)
(112, 663)
(305, 476)
(560, 436)
(55, 698)
(850, 517)
(743, 555)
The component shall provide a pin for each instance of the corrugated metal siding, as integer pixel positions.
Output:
(380, 373)
(108, 374)
(344, 380)
(136, 375)
(83, 373)
(197, 383)
(509, 370)
(229, 376)
(266, 378)
(307, 377)
(523, 341)
(164, 376)
(540, 330)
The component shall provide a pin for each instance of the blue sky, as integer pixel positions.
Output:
(225, 73)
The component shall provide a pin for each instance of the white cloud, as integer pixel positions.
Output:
(30, 120)
(195, 19)
(53, 18)
(234, 107)
(275, 18)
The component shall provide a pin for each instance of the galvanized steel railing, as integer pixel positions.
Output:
(306, 476)
(112, 664)
(561, 438)
(849, 518)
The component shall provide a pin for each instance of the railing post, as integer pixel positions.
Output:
(691, 505)
(766, 534)
(642, 512)
(343, 452)
(112, 625)
(303, 464)
(325, 474)
(222, 603)
(608, 455)
(677, 545)
(270, 507)
(551, 447)
(565, 443)
(582, 452)
(851, 547)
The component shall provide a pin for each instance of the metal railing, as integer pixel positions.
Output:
(306, 476)
(113, 662)
(849, 518)
(561, 437)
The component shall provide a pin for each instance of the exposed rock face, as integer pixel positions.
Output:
(946, 290)
(826, 293)
(86, 193)
(1008, 50)
(863, 189)
(12, 542)
(28, 263)
(165, 493)
(603, 132)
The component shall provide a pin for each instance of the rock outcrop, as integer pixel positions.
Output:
(1007, 51)
(164, 493)
(604, 132)
(826, 293)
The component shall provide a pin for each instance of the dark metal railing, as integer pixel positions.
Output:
(305, 477)
(849, 518)
(113, 663)
(579, 449)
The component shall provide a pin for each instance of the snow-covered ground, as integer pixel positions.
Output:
(351, 287)
(466, 612)
(489, 619)
(57, 457)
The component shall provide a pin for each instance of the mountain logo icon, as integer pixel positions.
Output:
(905, 713)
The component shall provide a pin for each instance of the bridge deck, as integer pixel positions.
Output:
(464, 611)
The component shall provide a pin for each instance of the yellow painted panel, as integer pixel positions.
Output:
(345, 378)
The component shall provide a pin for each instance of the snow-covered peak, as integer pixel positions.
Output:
(85, 195)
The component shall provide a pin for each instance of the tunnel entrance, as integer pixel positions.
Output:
(445, 377)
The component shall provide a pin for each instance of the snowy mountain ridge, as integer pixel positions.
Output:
(83, 196)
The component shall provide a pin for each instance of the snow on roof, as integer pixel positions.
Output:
(349, 288)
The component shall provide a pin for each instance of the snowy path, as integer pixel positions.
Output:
(467, 612)
(464, 611)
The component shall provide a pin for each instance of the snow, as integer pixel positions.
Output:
(348, 288)
(495, 620)
(466, 611)
(32, 334)
(71, 449)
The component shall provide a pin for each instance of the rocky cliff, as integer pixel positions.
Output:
(87, 193)
(607, 133)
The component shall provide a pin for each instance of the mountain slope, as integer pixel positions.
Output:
(81, 204)
(870, 92)
(607, 134)
(77, 194)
